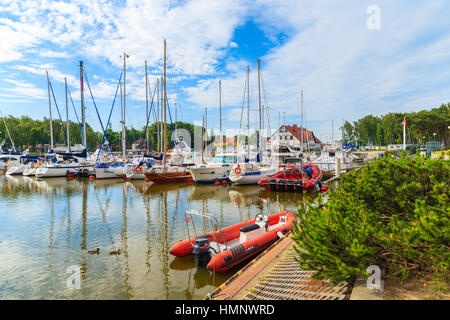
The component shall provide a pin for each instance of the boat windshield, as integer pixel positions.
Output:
(224, 159)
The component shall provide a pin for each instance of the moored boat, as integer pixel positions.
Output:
(167, 174)
(218, 169)
(295, 179)
(249, 173)
(225, 248)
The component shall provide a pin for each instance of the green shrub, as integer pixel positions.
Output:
(393, 213)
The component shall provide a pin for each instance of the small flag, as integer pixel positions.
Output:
(404, 122)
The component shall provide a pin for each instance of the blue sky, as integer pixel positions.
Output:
(321, 47)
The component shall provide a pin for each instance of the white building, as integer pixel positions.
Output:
(295, 137)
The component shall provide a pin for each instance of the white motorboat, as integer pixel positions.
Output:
(109, 171)
(30, 170)
(218, 169)
(16, 170)
(250, 173)
(9, 159)
(57, 169)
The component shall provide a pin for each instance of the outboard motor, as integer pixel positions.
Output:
(201, 251)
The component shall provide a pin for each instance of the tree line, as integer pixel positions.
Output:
(421, 127)
(26, 132)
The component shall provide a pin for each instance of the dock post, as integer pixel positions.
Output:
(337, 166)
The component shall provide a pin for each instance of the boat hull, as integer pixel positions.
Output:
(30, 172)
(16, 170)
(108, 173)
(246, 178)
(291, 180)
(51, 172)
(210, 174)
(167, 177)
(241, 252)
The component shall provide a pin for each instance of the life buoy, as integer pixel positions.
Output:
(237, 170)
(138, 169)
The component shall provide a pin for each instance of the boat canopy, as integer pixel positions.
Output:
(225, 159)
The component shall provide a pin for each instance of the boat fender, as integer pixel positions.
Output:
(280, 235)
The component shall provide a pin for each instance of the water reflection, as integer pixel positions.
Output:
(47, 225)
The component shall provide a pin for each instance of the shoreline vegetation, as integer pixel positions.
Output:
(392, 213)
(422, 126)
(26, 132)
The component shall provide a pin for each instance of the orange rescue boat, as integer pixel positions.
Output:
(222, 249)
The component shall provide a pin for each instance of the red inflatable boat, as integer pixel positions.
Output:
(223, 249)
(295, 179)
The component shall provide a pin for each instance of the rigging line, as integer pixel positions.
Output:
(92, 97)
(98, 115)
(149, 112)
(57, 109)
(76, 115)
(265, 104)
(243, 104)
(109, 117)
(7, 130)
(170, 116)
(173, 84)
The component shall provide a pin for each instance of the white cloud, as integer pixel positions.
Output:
(25, 89)
(54, 54)
(322, 47)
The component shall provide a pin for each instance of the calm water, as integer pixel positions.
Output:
(46, 226)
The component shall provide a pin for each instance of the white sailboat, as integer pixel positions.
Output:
(252, 172)
(71, 161)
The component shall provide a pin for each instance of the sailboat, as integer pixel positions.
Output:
(164, 173)
(110, 167)
(251, 172)
(12, 162)
(69, 162)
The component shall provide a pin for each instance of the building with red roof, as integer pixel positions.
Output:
(295, 137)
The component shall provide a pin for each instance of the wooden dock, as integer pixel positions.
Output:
(276, 275)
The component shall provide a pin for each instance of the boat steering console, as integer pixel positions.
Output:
(262, 221)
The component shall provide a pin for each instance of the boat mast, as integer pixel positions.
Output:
(67, 116)
(203, 138)
(165, 98)
(157, 116)
(220, 114)
(332, 131)
(124, 133)
(83, 107)
(161, 117)
(248, 111)
(50, 111)
(259, 107)
(301, 121)
(121, 117)
(146, 105)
